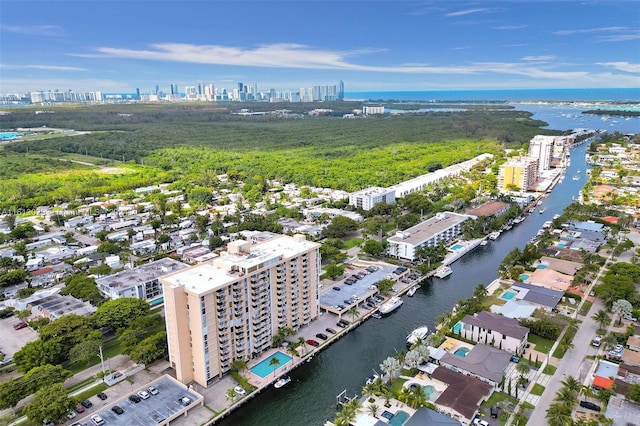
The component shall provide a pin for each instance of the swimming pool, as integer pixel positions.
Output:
(541, 266)
(399, 418)
(461, 352)
(560, 245)
(457, 327)
(524, 277)
(387, 414)
(9, 135)
(428, 391)
(508, 295)
(263, 369)
(456, 247)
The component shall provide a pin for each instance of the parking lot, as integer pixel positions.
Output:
(13, 340)
(360, 289)
(156, 409)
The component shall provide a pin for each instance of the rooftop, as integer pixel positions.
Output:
(538, 295)
(140, 274)
(464, 393)
(427, 229)
(490, 321)
(484, 361)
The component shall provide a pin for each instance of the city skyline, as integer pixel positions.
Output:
(430, 45)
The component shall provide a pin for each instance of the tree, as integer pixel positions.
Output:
(385, 285)
(274, 362)
(150, 349)
(334, 270)
(339, 227)
(82, 287)
(109, 247)
(621, 308)
(232, 395)
(558, 415)
(373, 247)
(602, 318)
(49, 403)
(38, 353)
(373, 409)
(524, 369)
(390, 367)
(634, 392)
(353, 313)
(215, 242)
(86, 350)
(586, 391)
(23, 314)
(571, 383)
(480, 291)
(119, 313)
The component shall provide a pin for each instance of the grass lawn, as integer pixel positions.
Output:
(584, 310)
(396, 387)
(542, 345)
(568, 336)
(352, 242)
(549, 369)
(91, 392)
(537, 389)
(497, 397)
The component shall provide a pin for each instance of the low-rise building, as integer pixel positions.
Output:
(369, 197)
(140, 282)
(463, 396)
(492, 329)
(484, 362)
(443, 227)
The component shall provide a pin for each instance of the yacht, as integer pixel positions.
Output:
(391, 305)
(484, 243)
(541, 211)
(413, 290)
(281, 382)
(576, 177)
(419, 333)
(494, 235)
(372, 379)
(443, 271)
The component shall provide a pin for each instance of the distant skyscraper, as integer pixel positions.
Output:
(341, 90)
(157, 90)
(137, 93)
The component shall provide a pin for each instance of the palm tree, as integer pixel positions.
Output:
(586, 391)
(609, 341)
(373, 409)
(353, 313)
(390, 367)
(565, 396)
(303, 343)
(231, 394)
(602, 318)
(412, 359)
(238, 365)
(558, 415)
(274, 362)
(480, 291)
(571, 383)
(523, 369)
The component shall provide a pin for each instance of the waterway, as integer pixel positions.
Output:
(310, 399)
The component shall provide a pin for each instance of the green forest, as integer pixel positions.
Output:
(168, 143)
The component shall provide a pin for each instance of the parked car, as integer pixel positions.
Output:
(116, 409)
(80, 408)
(479, 422)
(185, 401)
(494, 411)
(19, 325)
(336, 288)
(87, 404)
(6, 361)
(312, 342)
(590, 405)
(618, 348)
(152, 390)
(330, 330)
(596, 341)
(101, 395)
(97, 420)
(134, 398)
(71, 414)
(144, 394)
(515, 358)
(239, 390)
(322, 336)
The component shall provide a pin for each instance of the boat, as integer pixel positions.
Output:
(419, 333)
(443, 271)
(281, 382)
(376, 315)
(494, 235)
(371, 379)
(484, 243)
(413, 290)
(391, 305)
(576, 177)
(541, 211)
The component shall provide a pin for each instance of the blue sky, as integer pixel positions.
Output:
(116, 46)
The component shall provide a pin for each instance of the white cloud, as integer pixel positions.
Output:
(539, 58)
(621, 66)
(42, 67)
(620, 37)
(37, 30)
(590, 30)
(467, 12)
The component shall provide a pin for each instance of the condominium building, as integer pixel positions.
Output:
(518, 174)
(444, 227)
(367, 198)
(230, 308)
(541, 147)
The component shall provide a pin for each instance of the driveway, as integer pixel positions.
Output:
(13, 340)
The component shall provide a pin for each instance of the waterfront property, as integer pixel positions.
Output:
(484, 362)
(271, 364)
(495, 330)
(442, 227)
(231, 307)
(463, 394)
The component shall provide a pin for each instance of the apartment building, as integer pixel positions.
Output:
(442, 227)
(230, 308)
(541, 147)
(367, 198)
(518, 174)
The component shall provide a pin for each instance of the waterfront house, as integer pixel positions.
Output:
(463, 394)
(495, 330)
(490, 208)
(483, 362)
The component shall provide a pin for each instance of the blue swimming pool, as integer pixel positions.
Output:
(524, 277)
(263, 369)
(461, 352)
(541, 266)
(399, 418)
(456, 247)
(457, 327)
(387, 414)
(9, 135)
(508, 295)
(560, 245)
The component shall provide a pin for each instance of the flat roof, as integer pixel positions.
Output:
(430, 227)
(140, 274)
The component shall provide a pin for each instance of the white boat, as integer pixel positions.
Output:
(443, 271)
(376, 315)
(281, 382)
(576, 177)
(419, 333)
(371, 379)
(494, 235)
(484, 243)
(391, 305)
(413, 290)
(541, 211)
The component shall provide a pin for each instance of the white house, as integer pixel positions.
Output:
(495, 330)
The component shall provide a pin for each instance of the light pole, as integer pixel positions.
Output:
(102, 362)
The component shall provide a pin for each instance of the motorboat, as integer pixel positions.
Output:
(419, 333)
(376, 315)
(391, 305)
(576, 177)
(443, 271)
(413, 290)
(494, 235)
(541, 211)
(281, 382)
(371, 379)
(484, 243)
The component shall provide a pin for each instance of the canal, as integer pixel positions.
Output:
(310, 397)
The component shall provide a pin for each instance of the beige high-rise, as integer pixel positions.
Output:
(229, 308)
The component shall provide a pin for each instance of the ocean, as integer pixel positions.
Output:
(516, 95)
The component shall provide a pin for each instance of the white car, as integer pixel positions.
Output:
(239, 390)
(479, 422)
(71, 415)
(144, 394)
(152, 390)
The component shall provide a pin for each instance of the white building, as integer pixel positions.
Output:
(140, 282)
(442, 227)
(541, 147)
(369, 197)
(495, 330)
